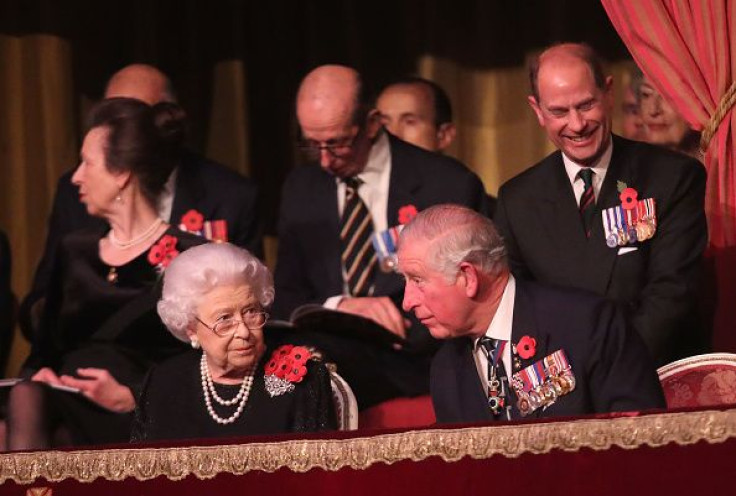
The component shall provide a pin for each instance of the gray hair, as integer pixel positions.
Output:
(458, 235)
(199, 270)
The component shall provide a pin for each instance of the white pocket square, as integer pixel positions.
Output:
(627, 249)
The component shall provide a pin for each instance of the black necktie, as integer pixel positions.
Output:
(498, 400)
(587, 201)
(356, 229)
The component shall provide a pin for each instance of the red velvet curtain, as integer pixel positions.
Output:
(685, 48)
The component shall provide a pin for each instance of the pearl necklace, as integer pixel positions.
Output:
(123, 245)
(209, 390)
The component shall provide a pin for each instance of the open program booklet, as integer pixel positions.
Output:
(7, 383)
(316, 318)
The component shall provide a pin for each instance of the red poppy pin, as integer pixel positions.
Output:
(287, 366)
(628, 196)
(192, 221)
(407, 213)
(163, 253)
(526, 347)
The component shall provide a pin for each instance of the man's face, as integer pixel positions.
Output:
(574, 112)
(330, 137)
(440, 305)
(408, 112)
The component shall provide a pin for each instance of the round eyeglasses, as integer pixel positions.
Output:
(251, 318)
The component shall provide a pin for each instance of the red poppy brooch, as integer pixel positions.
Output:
(286, 367)
(526, 347)
(192, 221)
(407, 214)
(162, 253)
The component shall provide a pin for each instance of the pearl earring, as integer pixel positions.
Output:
(195, 343)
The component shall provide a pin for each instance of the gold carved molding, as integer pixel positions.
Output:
(204, 462)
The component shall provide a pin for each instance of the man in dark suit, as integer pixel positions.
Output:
(559, 227)
(212, 190)
(583, 356)
(342, 132)
(418, 111)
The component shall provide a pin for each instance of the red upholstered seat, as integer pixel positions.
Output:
(399, 413)
(702, 380)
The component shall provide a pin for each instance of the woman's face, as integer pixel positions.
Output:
(662, 124)
(98, 187)
(228, 357)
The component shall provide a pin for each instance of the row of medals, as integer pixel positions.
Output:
(643, 230)
(546, 393)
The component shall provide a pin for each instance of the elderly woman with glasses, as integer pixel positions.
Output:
(215, 297)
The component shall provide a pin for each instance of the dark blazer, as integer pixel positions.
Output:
(658, 282)
(208, 187)
(308, 268)
(613, 371)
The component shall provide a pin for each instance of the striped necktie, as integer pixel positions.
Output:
(498, 401)
(587, 200)
(356, 229)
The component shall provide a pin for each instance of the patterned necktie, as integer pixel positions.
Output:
(356, 229)
(587, 201)
(497, 378)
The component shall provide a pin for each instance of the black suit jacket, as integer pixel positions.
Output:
(309, 270)
(658, 282)
(613, 371)
(210, 188)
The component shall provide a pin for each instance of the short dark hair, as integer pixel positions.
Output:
(584, 52)
(144, 140)
(442, 105)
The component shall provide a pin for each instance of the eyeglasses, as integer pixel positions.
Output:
(338, 148)
(250, 317)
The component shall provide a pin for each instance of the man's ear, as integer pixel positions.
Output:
(445, 135)
(536, 108)
(468, 277)
(373, 123)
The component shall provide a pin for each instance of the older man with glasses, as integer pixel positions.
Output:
(337, 223)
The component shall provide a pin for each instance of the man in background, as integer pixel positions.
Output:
(362, 181)
(620, 218)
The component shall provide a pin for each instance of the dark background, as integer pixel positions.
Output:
(279, 41)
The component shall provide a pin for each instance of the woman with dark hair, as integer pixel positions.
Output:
(100, 332)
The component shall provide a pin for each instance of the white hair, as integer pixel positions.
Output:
(199, 270)
(458, 234)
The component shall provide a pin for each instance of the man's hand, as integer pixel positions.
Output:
(379, 309)
(102, 388)
(46, 375)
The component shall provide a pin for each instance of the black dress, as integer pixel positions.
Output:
(172, 404)
(95, 319)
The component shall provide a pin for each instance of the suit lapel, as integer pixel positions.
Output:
(188, 193)
(558, 214)
(525, 324)
(470, 391)
(325, 188)
(402, 190)
(600, 259)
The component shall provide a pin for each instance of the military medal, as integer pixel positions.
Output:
(543, 383)
(608, 228)
(385, 244)
(631, 222)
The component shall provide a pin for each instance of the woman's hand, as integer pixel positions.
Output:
(46, 375)
(102, 388)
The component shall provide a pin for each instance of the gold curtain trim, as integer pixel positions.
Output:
(724, 106)
(360, 453)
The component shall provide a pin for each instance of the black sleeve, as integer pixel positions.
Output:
(315, 408)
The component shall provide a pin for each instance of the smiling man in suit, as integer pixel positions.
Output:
(619, 218)
(366, 182)
(210, 189)
(584, 356)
